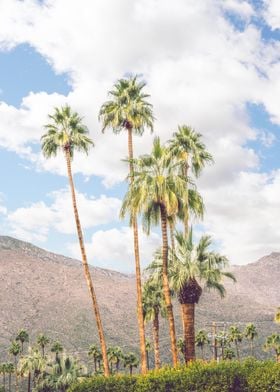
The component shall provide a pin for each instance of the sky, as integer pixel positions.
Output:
(210, 64)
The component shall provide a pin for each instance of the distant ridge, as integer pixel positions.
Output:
(44, 291)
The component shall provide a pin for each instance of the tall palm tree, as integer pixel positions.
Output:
(67, 132)
(94, 353)
(130, 361)
(10, 370)
(201, 340)
(154, 306)
(186, 145)
(235, 336)
(128, 110)
(57, 348)
(14, 350)
(157, 192)
(273, 343)
(22, 337)
(190, 266)
(251, 333)
(43, 341)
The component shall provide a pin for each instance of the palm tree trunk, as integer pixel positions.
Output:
(171, 230)
(186, 217)
(10, 381)
(237, 351)
(252, 348)
(189, 333)
(29, 382)
(140, 313)
(156, 340)
(94, 362)
(166, 289)
(86, 268)
(16, 386)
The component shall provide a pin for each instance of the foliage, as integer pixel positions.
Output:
(247, 376)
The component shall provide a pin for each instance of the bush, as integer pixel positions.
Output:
(247, 376)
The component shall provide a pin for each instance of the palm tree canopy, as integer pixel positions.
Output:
(14, 349)
(186, 144)
(193, 264)
(56, 347)
(273, 342)
(42, 340)
(93, 351)
(277, 316)
(250, 331)
(201, 338)
(234, 334)
(34, 361)
(130, 359)
(22, 336)
(128, 107)
(157, 182)
(65, 131)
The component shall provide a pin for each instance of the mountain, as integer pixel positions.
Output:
(45, 292)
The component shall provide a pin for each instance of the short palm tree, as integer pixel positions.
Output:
(3, 371)
(191, 265)
(94, 353)
(10, 368)
(56, 348)
(14, 350)
(148, 349)
(130, 361)
(273, 343)
(32, 363)
(235, 336)
(154, 307)
(128, 110)
(42, 341)
(201, 340)
(22, 337)
(67, 132)
(186, 145)
(251, 333)
(157, 192)
(181, 346)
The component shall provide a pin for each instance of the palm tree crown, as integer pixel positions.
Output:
(65, 131)
(128, 107)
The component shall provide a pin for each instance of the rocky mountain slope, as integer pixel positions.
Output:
(45, 292)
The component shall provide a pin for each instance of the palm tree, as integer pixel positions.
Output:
(33, 363)
(56, 348)
(43, 341)
(129, 111)
(273, 343)
(3, 371)
(251, 333)
(222, 340)
(201, 340)
(277, 316)
(235, 336)
(14, 350)
(181, 346)
(10, 370)
(94, 353)
(130, 361)
(66, 132)
(116, 357)
(157, 192)
(154, 306)
(22, 337)
(229, 353)
(189, 266)
(187, 146)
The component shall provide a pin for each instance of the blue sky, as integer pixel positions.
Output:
(222, 79)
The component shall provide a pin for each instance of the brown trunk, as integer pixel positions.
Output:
(189, 334)
(171, 230)
(29, 382)
(86, 267)
(140, 314)
(166, 289)
(156, 340)
(16, 374)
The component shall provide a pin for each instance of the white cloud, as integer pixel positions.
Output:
(113, 249)
(35, 221)
(200, 70)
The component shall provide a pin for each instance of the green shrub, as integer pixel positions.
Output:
(247, 376)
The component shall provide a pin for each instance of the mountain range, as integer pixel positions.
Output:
(45, 292)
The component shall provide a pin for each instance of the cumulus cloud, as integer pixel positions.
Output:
(35, 221)
(200, 70)
(113, 249)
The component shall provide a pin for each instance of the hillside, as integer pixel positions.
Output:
(45, 292)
